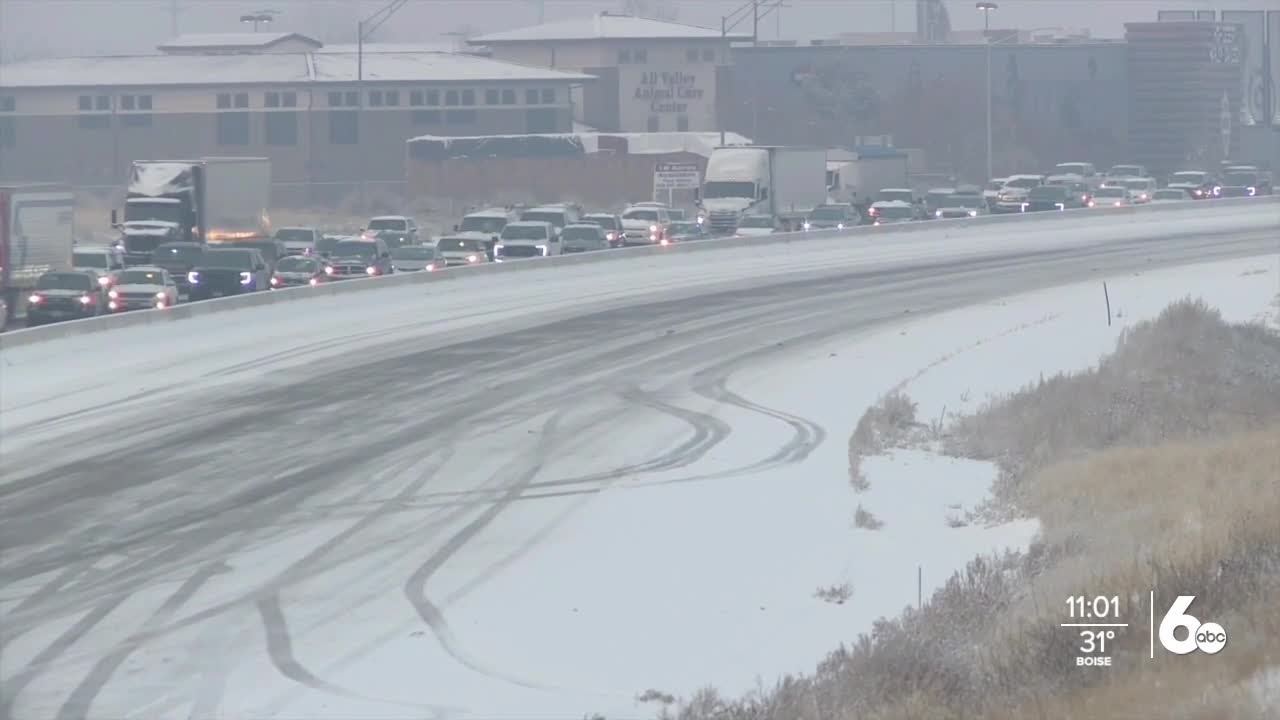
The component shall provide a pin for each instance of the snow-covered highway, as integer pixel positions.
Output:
(525, 495)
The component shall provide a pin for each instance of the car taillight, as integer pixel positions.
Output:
(314, 282)
(86, 299)
(275, 280)
(36, 299)
(473, 258)
(104, 280)
(372, 270)
(113, 294)
(328, 270)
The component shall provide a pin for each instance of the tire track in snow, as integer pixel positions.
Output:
(78, 703)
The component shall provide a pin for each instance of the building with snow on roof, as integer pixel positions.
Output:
(322, 115)
(651, 75)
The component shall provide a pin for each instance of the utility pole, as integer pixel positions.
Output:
(173, 18)
(755, 22)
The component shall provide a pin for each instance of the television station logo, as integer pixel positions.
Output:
(1100, 621)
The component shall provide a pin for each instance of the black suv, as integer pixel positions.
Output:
(179, 258)
(1053, 197)
(68, 295)
(228, 271)
(272, 249)
(359, 257)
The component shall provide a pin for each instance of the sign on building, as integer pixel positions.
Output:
(668, 176)
(1253, 94)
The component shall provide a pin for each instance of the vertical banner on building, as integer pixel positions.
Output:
(1253, 26)
(1273, 47)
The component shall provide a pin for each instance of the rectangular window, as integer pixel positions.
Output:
(469, 98)
(102, 102)
(224, 101)
(8, 103)
(233, 128)
(624, 57)
(459, 117)
(351, 98)
(426, 117)
(139, 120)
(682, 123)
(344, 127)
(375, 98)
(144, 102)
(86, 103)
(640, 56)
(433, 97)
(242, 100)
(94, 122)
(289, 99)
(540, 120)
(335, 99)
(415, 98)
(548, 96)
(451, 97)
(271, 100)
(392, 98)
(8, 132)
(691, 55)
(531, 97)
(281, 128)
(654, 124)
(508, 97)
(708, 54)
(126, 102)
(492, 97)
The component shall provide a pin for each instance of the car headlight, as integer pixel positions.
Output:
(973, 213)
(473, 258)
(193, 277)
(160, 296)
(371, 270)
(938, 214)
(104, 280)
(839, 226)
(246, 278)
(806, 225)
(328, 270)
(653, 228)
(113, 294)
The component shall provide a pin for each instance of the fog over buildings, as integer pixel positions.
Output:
(47, 28)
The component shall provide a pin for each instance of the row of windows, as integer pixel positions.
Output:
(8, 103)
(102, 103)
(640, 56)
(281, 128)
(337, 99)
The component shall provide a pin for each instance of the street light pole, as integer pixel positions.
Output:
(988, 104)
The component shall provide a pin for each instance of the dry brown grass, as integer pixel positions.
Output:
(1158, 470)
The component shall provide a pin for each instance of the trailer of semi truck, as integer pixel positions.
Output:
(785, 182)
(37, 230)
(206, 200)
(858, 176)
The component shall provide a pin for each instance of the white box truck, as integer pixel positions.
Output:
(785, 182)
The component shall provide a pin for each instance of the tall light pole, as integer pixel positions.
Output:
(986, 8)
(258, 18)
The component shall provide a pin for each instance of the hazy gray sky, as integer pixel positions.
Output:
(35, 28)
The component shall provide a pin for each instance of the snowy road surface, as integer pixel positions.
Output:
(461, 504)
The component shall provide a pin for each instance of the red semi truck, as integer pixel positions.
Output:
(37, 230)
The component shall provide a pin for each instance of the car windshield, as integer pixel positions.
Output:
(936, 197)
(729, 189)
(482, 224)
(295, 235)
(521, 251)
(756, 221)
(1025, 182)
(355, 248)
(608, 222)
(64, 281)
(1239, 179)
(182, 254)
(237, 259)
(684, 228)
(555, 217)
(965, 200)
(995, 184)
(327, 244)
(829, 213)
(1125, 170)
(459, 245)
(413, 252)
(396, 224)
(641, 214)
(1111, 192)
(295, 264)
(894, 212)
(141, 277)
(143, 210)
(1170, 195)
(268, 249)
(1189, 177)
(1071, 168)
(577, 233)
(524, 232)
(1136, 184)
(1048, 192)
(894, 194)
(89, 259)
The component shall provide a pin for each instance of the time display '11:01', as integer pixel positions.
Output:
(1079, 606)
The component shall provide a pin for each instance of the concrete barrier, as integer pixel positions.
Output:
(1084, 217)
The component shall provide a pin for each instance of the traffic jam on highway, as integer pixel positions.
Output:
(197, 230)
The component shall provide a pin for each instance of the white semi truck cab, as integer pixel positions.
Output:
(785, 182)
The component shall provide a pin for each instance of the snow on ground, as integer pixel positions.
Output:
(723, 592)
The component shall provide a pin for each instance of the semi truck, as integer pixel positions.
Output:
(785, 182)
(213, 199)
(37, 231)
(857, 176)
